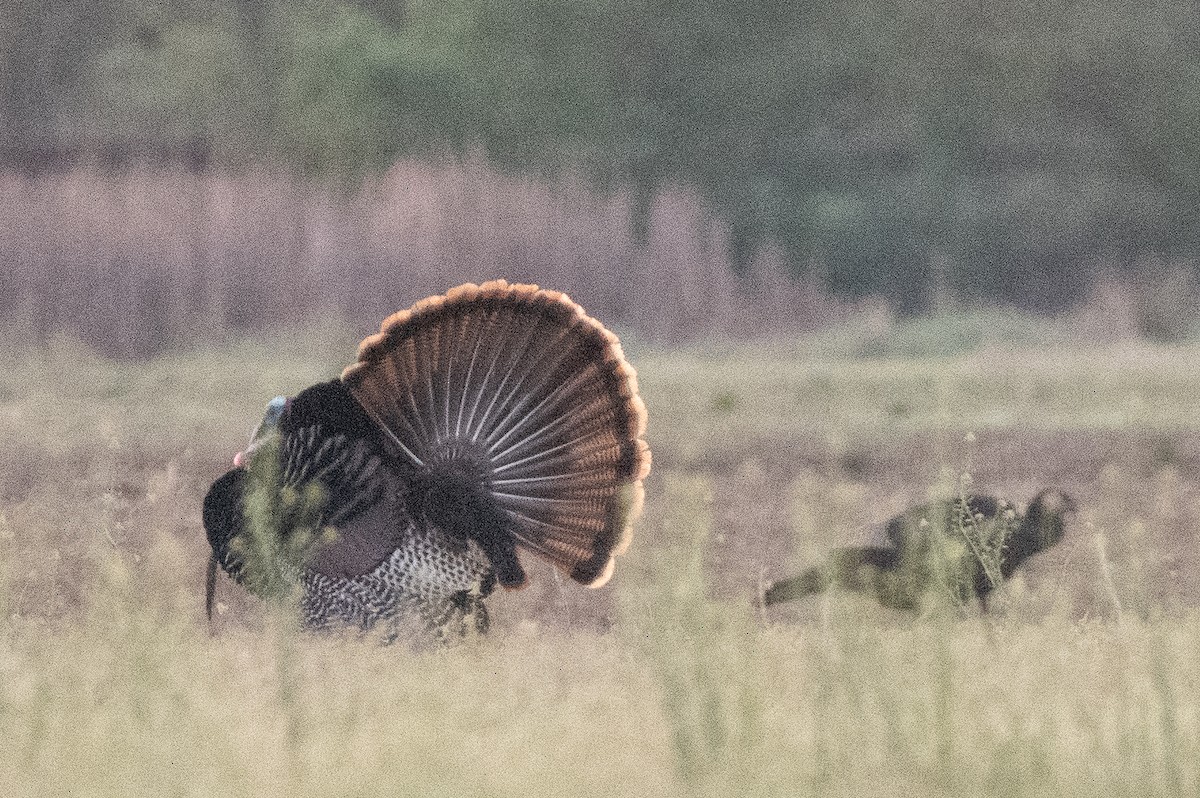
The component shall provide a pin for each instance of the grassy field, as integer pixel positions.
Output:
(1083, 681)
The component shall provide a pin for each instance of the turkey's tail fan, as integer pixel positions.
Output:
(519, 415)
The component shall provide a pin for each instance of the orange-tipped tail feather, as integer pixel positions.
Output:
(517, 391)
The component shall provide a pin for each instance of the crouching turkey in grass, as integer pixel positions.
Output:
(961, 549)
(475, 428)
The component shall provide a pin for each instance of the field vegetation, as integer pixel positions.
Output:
(907, 150)
(1081, 681)
(134, 262)
(820, 231)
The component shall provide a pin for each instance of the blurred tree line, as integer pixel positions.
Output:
(921, 150)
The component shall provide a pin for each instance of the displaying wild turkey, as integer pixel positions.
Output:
(476, 427)
(962, 549)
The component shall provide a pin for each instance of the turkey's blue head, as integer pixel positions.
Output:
(265, 429)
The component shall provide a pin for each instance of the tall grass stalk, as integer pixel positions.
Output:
(281, 524)
(703, 652)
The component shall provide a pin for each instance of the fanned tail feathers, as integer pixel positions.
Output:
(516, 393)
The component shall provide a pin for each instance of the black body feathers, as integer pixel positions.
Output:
(963, 549)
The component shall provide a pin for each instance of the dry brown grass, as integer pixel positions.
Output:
(665, 682)
(107, 459)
